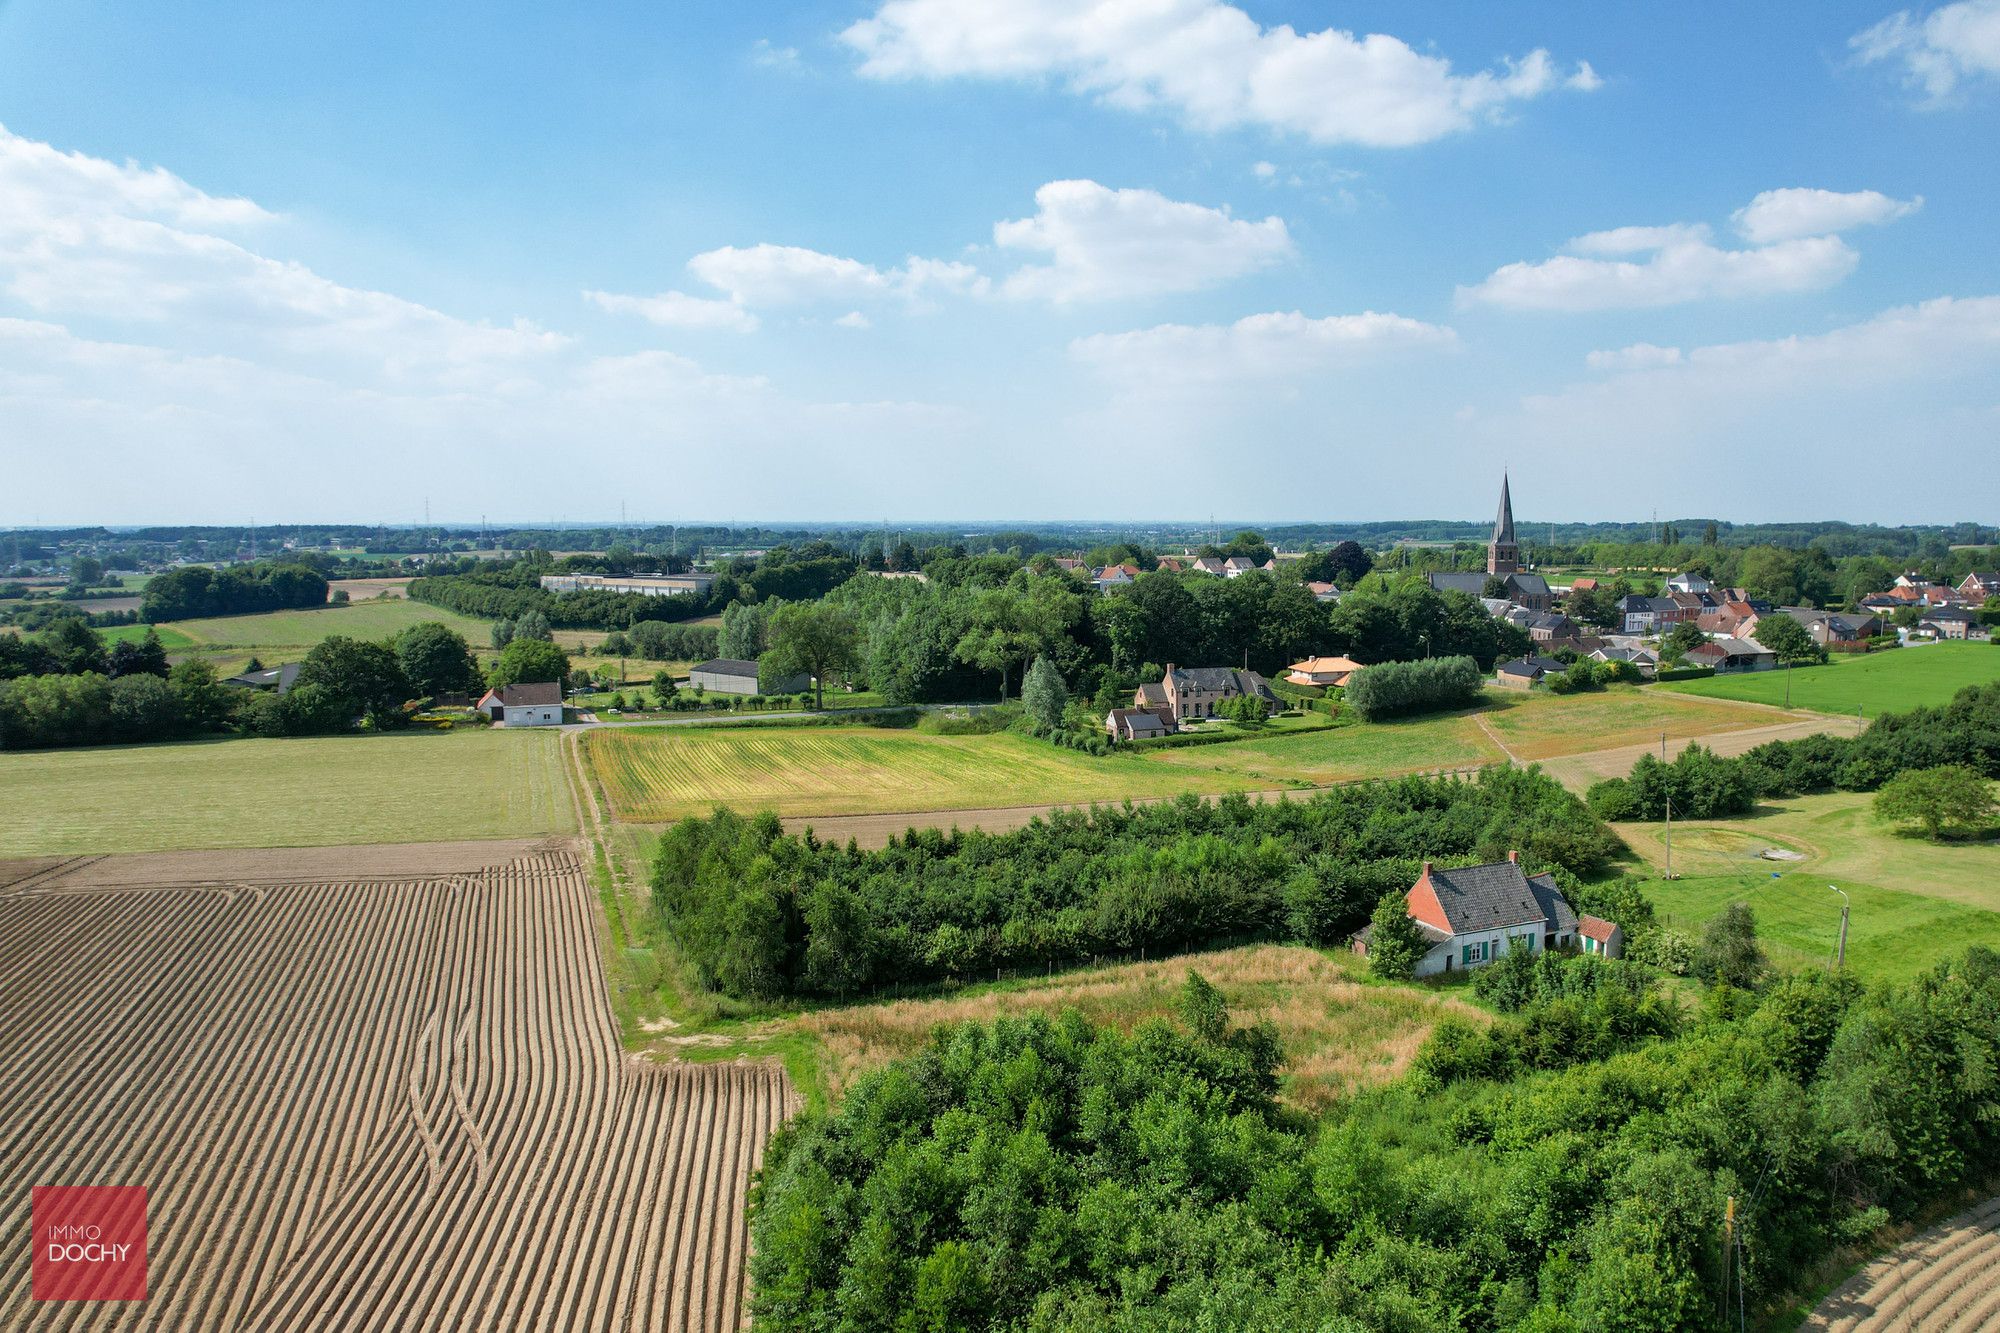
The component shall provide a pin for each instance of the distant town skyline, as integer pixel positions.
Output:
(1066, 261)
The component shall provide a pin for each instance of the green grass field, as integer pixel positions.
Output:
(322, 791)
(300, 630)
(170, 638)
(653, 775)
(1876, 683)
(1342, 753)
(1914, 902)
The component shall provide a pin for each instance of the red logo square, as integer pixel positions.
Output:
(90, 1242)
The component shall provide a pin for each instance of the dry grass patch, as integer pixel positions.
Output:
(1339, 1033)
(1544, 726)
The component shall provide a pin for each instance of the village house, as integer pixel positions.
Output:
(1323, 671)
(1638, 657)
(1114, 576)
(1210, 564)
(1236, 566)
(1950, 623)
(1689, 582)
(1979, 585)
(279, 678)
(1526, 673)
(530, 704)
(1550, 626)
(1474, 915)
(1190, 694)
(1827, 627)
(1645, 615)
(1323, 592)
(1134, 724)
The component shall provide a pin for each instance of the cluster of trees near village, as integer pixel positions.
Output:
(758, 912)
(1054, 1175)
(64, 686)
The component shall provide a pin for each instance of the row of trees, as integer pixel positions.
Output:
(1964, 733)
(1400, 689)
(1565, 1172)
(193, 591)
(757, 912)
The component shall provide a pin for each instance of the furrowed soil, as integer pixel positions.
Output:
(367, 1089)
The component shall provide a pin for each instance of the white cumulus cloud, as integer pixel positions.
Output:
(1945, 48)
(677, 310)
(1208, 63)
(1104, 244)
(1795, 248)
(1784, 215)
(782, 275)
(1256, 347)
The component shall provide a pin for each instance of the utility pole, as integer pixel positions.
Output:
(1728, 1248)
(1670, 837)
(1663, 747)
(1840, 954)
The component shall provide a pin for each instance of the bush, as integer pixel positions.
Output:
(1398, 689)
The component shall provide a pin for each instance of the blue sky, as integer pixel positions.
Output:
(913, 259)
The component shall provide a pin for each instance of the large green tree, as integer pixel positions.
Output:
(1950, 797)
(526, 661)
(367, 678)
(813, 639)
(437, 659)
(1395, 944)
(1044, 695)
(1786, 637)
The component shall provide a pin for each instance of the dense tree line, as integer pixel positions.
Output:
(65, 687)
(194, 591)
(1963, 733)
(1564, 1172)
(757, 911)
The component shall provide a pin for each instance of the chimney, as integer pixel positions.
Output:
(1427, 870)
(1515, 857)
(1170, 668)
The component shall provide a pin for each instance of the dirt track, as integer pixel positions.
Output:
(375, 1098)
(1945, 1281)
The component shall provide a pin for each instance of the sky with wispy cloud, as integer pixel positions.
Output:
(935, 259)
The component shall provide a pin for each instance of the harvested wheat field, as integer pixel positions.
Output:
(362, 1098)
(1944, 1281)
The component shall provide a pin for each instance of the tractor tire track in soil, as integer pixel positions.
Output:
(1946, 1280)
(386, 1101)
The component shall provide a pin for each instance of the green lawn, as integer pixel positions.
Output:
(1914, 902)
(1875, 683)
(1338, 754)
(309, 792)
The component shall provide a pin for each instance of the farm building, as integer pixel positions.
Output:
(1473, 915)
(533, 704)
(645, 585)
(733, 675)
(279, 678)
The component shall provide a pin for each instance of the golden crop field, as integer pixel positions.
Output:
(656, 775)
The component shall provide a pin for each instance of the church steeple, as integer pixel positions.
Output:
(1503, 556)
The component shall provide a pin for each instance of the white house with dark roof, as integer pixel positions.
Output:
(536, 703)
(1473, 915)
(735, 675)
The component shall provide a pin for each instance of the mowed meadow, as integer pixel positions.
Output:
(1871, 684)
(416, 786)
(655, 775)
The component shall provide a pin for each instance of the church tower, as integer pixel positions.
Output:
(1503, 556)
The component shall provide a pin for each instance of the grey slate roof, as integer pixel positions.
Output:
(530, 694)
(1472, 585)
(728, 666)
(1224, 680)
(1532, 585)
(1496, 896)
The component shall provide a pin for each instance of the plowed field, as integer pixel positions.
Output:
(362, 1101)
